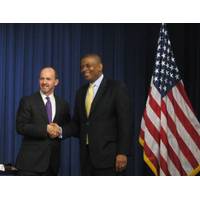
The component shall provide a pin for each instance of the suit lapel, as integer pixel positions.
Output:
(41, 107)
(83, 96)
(98, 96)
(57, 109)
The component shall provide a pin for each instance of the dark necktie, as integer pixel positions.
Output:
(49, 109)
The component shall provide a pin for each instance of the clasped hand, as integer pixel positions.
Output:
(53, 130)
(121, 162)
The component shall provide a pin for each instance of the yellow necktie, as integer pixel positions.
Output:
(88, 103)
(89, 98)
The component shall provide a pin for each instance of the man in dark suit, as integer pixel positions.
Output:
(102, 121)
(39, 120)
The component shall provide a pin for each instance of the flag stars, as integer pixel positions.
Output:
(157, 63)
(155, 78)
(166, 72)
(171, 67)
(162, 71)
(176, 69)
(158, 55)
(157, 71)
(163, 55)
(177, 77)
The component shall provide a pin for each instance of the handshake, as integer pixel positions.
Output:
(54, 130)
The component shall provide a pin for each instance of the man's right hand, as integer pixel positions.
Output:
(53, 130)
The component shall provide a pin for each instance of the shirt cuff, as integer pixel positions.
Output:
(60, 136)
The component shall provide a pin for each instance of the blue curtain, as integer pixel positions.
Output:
(128, 52)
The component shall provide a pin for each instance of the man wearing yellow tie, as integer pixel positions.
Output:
(102, 116)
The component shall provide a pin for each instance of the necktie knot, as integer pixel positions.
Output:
(91, 85)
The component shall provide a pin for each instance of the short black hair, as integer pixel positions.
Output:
(52, 67)
(94, 55)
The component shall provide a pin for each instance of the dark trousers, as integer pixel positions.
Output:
(88, 168)
(48, 172)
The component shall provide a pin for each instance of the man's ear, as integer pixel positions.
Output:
(101, 67)
(56, 83)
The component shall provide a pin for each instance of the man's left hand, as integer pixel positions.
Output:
(53, 130)
(121, 162)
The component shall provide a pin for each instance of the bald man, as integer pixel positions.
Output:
(39, 120)
(101, 121)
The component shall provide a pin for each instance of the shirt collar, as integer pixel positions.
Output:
(98, 81)
(44, 96)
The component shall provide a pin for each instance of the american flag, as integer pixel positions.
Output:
(170, 131)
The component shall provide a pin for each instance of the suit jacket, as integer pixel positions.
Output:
(37, 150)
(108, 126)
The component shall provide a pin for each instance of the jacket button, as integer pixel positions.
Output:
(87, 123)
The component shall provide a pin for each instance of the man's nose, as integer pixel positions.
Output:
(44, 81)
